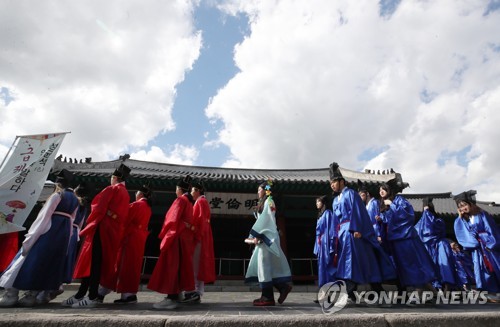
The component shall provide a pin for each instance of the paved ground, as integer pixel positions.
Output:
(222, 308)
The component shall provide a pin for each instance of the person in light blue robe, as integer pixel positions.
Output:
(477, 232)
(268, 265)
(414, 265)
(324, 245)
(432, 232)
(358, 258)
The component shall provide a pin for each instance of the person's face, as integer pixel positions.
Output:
(114, 180)
(319, 204)
(179, 191)
(195, 193)
(261, 192)
(454, 247)
(383, 193)
(138, 195)
(363, 196)
(464, 207)
(336, 185)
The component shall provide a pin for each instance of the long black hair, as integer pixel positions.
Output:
(390, 196)
(323, 199)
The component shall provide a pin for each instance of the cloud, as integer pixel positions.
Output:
(178, 154)
(106, 72)
(324, 81)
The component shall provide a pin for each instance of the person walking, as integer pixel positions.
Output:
(96, 263)
(203, 256)
(44, 248)
(131, 253)
(268, 265)
(173, 273)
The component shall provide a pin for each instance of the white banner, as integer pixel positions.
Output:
(23, 174)
(232, 203)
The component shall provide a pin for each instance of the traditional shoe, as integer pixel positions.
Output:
(28, 299)
(70, 301)
(129, 300)
(165, 304)
(100, 298)
(8, 300)
(191, 297)
(263, 302)
(86, 303)
(284, 294)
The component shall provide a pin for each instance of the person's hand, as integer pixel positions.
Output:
(357, 235)
(377, 218)
(387, 202)
(379, 239)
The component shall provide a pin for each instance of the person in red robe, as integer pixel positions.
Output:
(173, 272)
(131, 253)
(9, 243)
(96, 264)
(203, 257)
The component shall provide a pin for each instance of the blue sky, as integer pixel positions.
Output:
(213, 69)
(404, 84)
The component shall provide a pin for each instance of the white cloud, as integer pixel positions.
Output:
(325, 81)
(179, 154)
(105, 71)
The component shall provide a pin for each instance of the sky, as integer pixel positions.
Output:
(266, 84)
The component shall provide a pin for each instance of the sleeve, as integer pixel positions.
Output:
(42, 222)
(98, 210)
(463, 235)
(171, 225)
(491, 236)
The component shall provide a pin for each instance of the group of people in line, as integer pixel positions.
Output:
(110, 253)
(363, 239)
(359, 239)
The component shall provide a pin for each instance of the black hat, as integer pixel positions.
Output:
(323, 199)
(64, 177)
(198, 183)
(335, 173)
(146, 190)
(426, 202)
(362, 187)
(396, 184)
(468, 196)
(122, 172)
(82, 190)
(185, 183)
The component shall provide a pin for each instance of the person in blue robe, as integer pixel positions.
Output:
(373, 207)
(268, 265)
(477, 232)
(324, 245)
(463, 266)
(414, 265)
(39, 264)
(358, 258)
(81, 192)
(432, 231)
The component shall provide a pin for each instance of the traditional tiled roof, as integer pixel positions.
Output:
(298, 181)
(445, 205)
(171, 172)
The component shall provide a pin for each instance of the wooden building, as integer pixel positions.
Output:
(232, 194)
